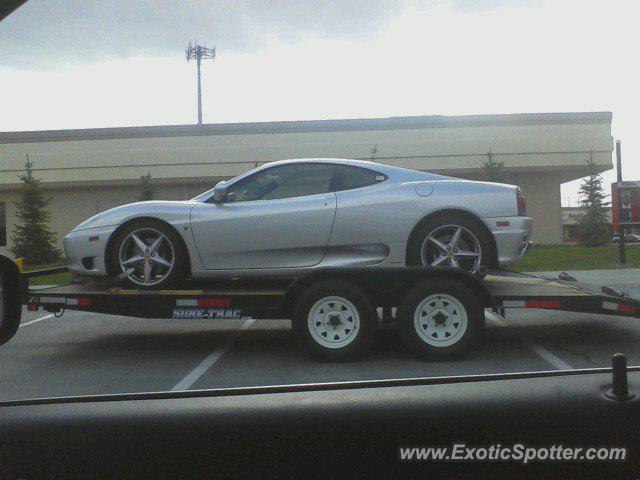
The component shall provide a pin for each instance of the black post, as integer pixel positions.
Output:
(623, 257)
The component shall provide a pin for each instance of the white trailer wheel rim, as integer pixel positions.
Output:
(440, 320)
(333, 322)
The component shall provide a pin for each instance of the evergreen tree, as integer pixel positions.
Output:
(33, 240)
(593, 228)
(146, 191)
(493, 169)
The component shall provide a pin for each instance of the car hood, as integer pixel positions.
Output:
(167, 210)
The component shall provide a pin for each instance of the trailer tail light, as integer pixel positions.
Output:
(522, 205)
(80, 302)
(533, 303)
(619, 307)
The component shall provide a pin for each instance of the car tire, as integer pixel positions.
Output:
(171, 249)
(334, 321)
(447, 224)
(440, 319)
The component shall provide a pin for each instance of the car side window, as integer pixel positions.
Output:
(349, 177)
(284, 182)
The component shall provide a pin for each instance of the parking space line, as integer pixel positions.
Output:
(193, 376)
(30, 322)
(538, 349)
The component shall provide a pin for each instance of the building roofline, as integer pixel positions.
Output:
(305, 126)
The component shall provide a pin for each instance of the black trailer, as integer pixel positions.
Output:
(335, 312)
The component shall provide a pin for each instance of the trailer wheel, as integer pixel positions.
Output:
(334, 320)
(440, 319)
(10, 310)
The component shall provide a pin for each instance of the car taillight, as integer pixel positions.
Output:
(522, 206)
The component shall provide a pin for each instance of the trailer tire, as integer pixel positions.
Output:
(10, 309)
(334, 321)
(440, 319)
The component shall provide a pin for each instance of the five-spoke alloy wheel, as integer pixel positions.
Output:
(452, 246)
(451, 240)
(148, 254)
(146, 257)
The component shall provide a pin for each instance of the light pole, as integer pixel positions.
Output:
(198, 52)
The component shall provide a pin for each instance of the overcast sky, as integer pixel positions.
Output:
(95, 63)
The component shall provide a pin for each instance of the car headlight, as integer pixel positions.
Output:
(87, 222)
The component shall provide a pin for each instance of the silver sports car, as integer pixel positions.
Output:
(293, 215)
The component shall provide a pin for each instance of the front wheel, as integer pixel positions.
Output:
(334, 321)
(440, 319)
(148, 254)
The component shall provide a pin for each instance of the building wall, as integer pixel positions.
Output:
(432, 149)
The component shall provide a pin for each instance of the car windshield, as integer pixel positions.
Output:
(392, 189)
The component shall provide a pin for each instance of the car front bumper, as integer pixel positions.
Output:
(512, 235)
(85, 251)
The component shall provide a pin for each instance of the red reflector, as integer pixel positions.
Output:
(213, 303)
(542, 304)
(522, 205)
(625, 308)
(94, 238)
(84, 302)
(502, 224)
(32, 308)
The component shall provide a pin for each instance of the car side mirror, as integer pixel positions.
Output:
(220, 194)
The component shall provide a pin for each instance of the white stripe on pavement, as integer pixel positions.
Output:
(208, 362)
(539, 349)
(30, 322)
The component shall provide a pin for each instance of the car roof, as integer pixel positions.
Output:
(342, 161)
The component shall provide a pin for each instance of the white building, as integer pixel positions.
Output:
(86, 171)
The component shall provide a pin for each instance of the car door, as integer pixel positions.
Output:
(367, 212)
(279, 217)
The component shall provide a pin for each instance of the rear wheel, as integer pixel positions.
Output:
(451, 240)
(148, 254)
(334, 320)
(440, 319)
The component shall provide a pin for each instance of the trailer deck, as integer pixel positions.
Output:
(433, 308)
(266, 299)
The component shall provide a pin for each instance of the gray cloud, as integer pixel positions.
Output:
(56, 33)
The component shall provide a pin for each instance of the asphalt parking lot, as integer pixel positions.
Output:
(85, 353)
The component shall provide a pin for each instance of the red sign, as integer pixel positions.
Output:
(630, 200)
